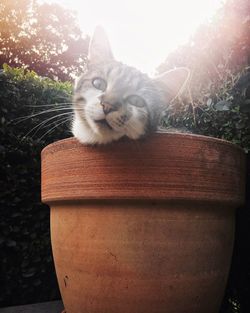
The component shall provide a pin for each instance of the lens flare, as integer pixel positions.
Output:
(142, 33)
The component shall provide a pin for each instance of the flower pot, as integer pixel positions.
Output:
(143, 226)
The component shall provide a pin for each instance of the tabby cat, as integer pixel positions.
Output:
(113, 100)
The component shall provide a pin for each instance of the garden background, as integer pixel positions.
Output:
(41, 50)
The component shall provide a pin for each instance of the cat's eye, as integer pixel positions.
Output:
(99, 83)
(135, 100)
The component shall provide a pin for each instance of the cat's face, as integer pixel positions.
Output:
(112, 100)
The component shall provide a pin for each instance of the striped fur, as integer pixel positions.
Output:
(92, 124)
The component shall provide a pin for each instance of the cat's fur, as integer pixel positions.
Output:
(113, 100)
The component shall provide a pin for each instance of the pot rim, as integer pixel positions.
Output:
(73, 140)
(164, 167)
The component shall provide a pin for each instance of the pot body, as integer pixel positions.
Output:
(143, 227)
(142, 257)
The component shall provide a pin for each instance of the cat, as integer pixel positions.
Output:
(112, 100)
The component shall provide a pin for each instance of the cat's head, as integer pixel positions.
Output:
(112, 100)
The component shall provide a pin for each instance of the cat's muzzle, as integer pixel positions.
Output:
(103, 122)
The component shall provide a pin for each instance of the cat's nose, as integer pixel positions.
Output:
(107, 107)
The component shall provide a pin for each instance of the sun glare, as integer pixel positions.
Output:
(142, 33)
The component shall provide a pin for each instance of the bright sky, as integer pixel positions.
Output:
(142, 33)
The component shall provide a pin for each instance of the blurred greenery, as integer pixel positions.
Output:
(26, 268)
(221, 110)
(43, 37)
(216, 102)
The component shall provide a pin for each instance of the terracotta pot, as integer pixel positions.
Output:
(143, 226)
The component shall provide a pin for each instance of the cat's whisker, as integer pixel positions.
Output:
(24, 118)
(51, 129)
(43, 123)
(48, 125)
(50, 105)
(56, 123)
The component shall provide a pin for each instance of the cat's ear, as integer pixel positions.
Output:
(174, 81)
(99, 47)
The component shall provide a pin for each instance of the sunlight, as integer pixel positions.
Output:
(142, 33)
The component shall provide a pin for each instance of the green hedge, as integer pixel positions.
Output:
(217, 108)
(26, 267)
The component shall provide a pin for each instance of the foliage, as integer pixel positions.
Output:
(26, 268)
(217, 47)
(221, 110)
(217, 103)
(42, 37)
(217, 100)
